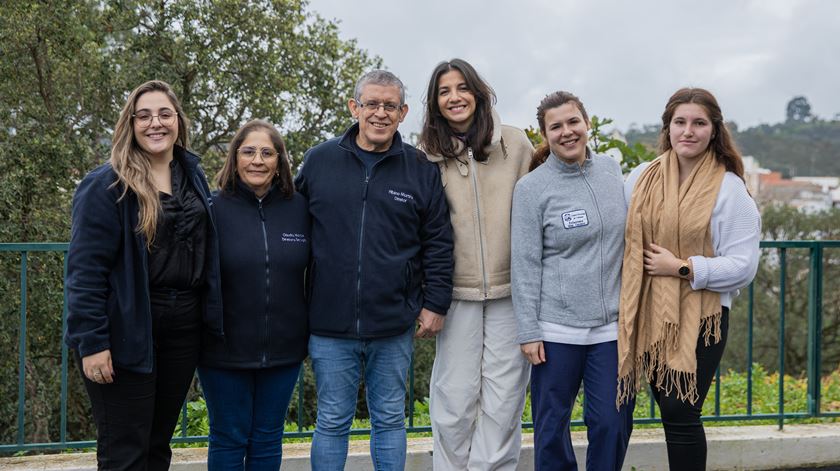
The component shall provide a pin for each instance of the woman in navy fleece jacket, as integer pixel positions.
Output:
(142, 277)
(248, 376)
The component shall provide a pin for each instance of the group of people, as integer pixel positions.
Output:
(526, 266)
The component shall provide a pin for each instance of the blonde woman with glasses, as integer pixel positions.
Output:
(142, 277)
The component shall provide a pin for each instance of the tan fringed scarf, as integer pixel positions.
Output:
(660, 317)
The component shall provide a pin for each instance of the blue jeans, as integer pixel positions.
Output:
(247, 410)
(554, 387)
(338, 364)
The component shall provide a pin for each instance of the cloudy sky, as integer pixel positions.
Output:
(622, 58)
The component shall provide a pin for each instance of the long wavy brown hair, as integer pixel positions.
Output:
(722, 143)
(132, 164)
(436, 136)
(552, 100)
(226, 178)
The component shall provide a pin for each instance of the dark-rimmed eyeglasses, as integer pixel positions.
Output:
(373, 106)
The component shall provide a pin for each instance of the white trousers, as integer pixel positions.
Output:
(478, 388)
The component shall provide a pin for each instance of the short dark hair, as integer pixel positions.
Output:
(226, 178)
(436, 136)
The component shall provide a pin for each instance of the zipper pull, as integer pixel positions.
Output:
(365, 191)
(470, 152)
(262, 214)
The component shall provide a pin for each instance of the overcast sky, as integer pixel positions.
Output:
(622, 58)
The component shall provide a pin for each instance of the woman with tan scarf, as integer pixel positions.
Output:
(691, 243)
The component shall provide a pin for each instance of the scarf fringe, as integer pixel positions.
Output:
(651, 366)
(711, 327)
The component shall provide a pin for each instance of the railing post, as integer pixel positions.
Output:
(750, 309)
(62, 434)
(22, 353)
(814, 328)
(782, 288)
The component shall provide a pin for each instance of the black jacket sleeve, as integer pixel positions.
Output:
(94, 245)
(300, 178)
(436, 248)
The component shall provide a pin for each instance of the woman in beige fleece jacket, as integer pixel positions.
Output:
(479, 376)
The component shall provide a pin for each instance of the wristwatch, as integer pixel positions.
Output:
(684, 270)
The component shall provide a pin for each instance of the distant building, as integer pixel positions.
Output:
(807, 194)
(801, 194)
(752, 174)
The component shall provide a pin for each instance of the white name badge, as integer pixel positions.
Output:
(574, 219)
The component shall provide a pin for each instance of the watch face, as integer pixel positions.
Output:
(683, 271)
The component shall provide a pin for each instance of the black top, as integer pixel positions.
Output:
(177, 257)
(264, 252)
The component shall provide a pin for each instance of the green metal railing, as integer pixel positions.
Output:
(777, 249)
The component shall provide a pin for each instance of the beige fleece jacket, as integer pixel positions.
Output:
(480, 195)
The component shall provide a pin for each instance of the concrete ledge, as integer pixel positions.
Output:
(730, 448)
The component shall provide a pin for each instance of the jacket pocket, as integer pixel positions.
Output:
(562, 287)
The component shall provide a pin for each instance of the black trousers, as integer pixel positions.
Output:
(684, 434)
(136, 414)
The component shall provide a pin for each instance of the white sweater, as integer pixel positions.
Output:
(736, 232)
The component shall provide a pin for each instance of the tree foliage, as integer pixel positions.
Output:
(786, 223)
(798, 109)
(67, 68)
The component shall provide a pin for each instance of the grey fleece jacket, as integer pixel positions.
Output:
(567, 244)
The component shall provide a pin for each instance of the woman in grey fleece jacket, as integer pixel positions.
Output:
(567, 244)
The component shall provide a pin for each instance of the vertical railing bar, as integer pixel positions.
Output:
(62, 434)
(750, 308)
(782, 288)
(411, 393)
(22, 351)
(184, 418)
(300, 399)
(717, 392)
(652, 401)
(814, 329)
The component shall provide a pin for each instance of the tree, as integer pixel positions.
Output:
(54, 103)
(231, 61)
(67, 67)
(798, 109)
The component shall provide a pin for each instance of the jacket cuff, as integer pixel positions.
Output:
(700, 265)
(86, 350)
(436, 308)
(529, 336)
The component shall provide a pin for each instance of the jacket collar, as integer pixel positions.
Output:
(347, 141)
(560, 165)
(245, 192)
(189, 160)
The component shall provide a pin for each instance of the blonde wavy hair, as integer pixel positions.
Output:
(132, 164)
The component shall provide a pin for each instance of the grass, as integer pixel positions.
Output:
(733, 401)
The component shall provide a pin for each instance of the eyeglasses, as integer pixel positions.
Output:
(373, 106)
(250, 153)
(165, 118)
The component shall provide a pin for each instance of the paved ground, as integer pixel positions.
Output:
(799, 447)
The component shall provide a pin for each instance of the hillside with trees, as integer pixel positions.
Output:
(802, 145)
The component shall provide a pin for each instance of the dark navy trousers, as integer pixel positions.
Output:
(554, 387)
